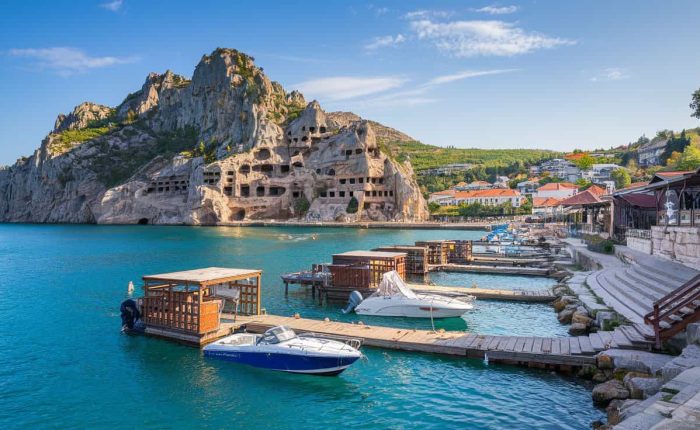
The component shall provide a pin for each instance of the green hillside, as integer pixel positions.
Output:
(424, 156)
(488, 163)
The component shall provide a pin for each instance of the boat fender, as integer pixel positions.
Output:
(131, 317)
(354, 300)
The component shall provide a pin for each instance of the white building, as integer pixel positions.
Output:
(527, 187)
(600, 173)
(649, 154)
(442, 197)
(557, 168)
(492, 197)
(555, 190)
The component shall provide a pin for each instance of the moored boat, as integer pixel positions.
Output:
(280, 348)
(395, 299)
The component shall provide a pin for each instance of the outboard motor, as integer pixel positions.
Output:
(131, 317)
(354, 300)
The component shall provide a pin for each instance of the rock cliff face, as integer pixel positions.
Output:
(225, 146)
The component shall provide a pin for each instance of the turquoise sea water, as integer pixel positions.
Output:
(65, 364)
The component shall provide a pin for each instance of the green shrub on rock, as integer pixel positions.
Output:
(353, 205)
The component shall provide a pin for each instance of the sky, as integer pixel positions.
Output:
(523, 74)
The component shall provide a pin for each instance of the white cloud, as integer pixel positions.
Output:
(113, 6)
(348, 87)
(378, 11)
(423, 14)
(611, 74)
(421, 94)
(496, 10)
(377, 91)
(466, 75)
(385, 41)
(68, 61)
(473, 38)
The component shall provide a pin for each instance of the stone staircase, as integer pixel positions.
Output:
(631, 285)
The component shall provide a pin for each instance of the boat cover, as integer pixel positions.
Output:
(393, 285)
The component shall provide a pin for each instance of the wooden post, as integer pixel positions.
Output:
(657, 328)
(259, 295)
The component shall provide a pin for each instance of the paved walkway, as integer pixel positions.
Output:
(676, 406)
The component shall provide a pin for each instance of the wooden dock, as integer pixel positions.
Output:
(501, 270)
(542, 296)
(558, 353)
(510, 261)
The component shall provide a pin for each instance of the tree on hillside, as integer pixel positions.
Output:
(673, 159)
(689, 159)
(585, 162)
(621, 177)
(695, 104)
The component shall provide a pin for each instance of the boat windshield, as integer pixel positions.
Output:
(393, 285)
(278, 334)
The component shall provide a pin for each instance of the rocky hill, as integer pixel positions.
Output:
(226, 145)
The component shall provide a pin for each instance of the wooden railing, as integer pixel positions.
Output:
(181, 311)
(673, 312)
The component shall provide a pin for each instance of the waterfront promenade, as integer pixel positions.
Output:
(426, 225)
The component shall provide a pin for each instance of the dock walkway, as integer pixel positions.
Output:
(561, 353)
(543, 295)
(495, 269)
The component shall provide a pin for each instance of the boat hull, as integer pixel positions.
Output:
(292, 363)
(411, 308)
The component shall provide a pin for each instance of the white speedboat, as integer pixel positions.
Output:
(394, 299)
(280, 348)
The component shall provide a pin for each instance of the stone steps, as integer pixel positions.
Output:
(624, 294)
(664, 284)
(603, 289)
(658, 288)
(645, 297)
(675, 272)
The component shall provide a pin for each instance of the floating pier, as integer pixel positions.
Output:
(541, 296)
(503, 270)
(509, 261)
(559, 353)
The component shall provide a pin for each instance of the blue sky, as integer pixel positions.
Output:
(539, 74)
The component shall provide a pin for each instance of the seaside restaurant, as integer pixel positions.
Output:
(663, 217)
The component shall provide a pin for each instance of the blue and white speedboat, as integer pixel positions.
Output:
(280, 348)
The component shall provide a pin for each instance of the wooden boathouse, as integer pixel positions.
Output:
(417, 266)
(187, 306)
(361, 271)
(438, 250)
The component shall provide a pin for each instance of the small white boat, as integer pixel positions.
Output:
(280, 348)
(394, 299)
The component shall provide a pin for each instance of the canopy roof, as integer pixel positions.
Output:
(667, 179)
(582, 198)
(371, 254)
(640, 199)
(400, 248)
(205, 276)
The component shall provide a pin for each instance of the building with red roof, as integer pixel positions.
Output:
(557, 190)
